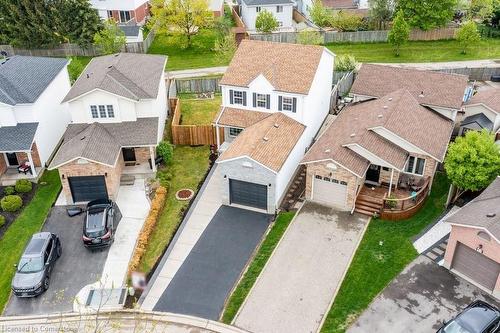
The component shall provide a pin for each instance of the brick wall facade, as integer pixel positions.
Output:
(385, 177)
(3, 164)
(341, 174)
(142, 154)
(138, 15)
(470, 238)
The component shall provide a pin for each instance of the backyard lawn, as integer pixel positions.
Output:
(188, 167)
(385, 250)
(199, 111)
(20, 231)
(435, 51)
(76, 67)
(259, 261)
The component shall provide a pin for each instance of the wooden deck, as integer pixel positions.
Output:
(381, 192)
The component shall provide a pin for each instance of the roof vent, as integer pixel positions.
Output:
(111, 66)
(421, 94)
(88, 76)
(276, 125)
(491, 215)
(265, 138)
(352, 135)
(83, 137)
(327, 151)
(385, 107)
(379, 116)
(390, 99)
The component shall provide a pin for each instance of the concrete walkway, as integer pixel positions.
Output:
(300, 280)
(205, 207)
(435, 233)
(197, 72)
(447, 65)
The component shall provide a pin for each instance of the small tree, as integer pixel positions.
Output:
(309, 37)
(473, 161)
(225, 47)
(111, 39)
(166, 150)
(345, 21)
(319, 14)
(266, 22)
(345, 63)
(400, 33)
(467, 35)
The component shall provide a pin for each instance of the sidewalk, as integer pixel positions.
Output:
(447, 65)
(197, 72)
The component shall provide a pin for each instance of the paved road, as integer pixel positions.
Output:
(297, 285)
(76, 268)
(208, 274)
(418, 300)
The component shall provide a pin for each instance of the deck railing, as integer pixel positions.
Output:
(403, 208)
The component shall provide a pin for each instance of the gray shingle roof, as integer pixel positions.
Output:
(266, 2)
(131, 75)
(23, 79)
(480, 119)
(102, 142)
(17, 138)
(130, 30)
(475, 213)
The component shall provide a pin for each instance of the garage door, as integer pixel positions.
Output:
(248, 194)
(88, 188)
(475, 266)
(329, 191)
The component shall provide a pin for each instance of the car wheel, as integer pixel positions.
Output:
(46, 283)
(59, 251)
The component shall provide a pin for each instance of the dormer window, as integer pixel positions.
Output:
(102, 111)
(287, 104)
(238, 97)
(261, 101)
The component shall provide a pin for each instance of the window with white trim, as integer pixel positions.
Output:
(257, 9)
(261, 100)
(233, 131)
(111, 112)
(102, 111)
(238, 97)
(287, 103)
(279, 9)
(124, 16)
(93, 111)
(415, 165)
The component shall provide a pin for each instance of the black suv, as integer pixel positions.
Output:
(478, 317)
(33, 270)
(99, 226)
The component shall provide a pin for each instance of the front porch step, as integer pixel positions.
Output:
(372, 209)
(363, 211)
(127, 180)
(369, 204)
(367, 198)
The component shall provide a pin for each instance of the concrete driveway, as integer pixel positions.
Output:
(300, 280)
(76, 268)
(419, 300)
(206, 277)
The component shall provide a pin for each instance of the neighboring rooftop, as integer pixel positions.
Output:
(130, 30)
(288, 67)
(130, 75)
(339, 4)
(17, 138)
(482, 212)
(102, 142)
(430, 88)
(23, 79)
(239, 117)
(480, 119)
(488, 97)
(268, 141)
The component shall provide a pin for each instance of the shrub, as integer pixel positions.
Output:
(2, 220)
(11, 203)
(319, 14)
(23, 186)
(345, 21)
(166, 150)
(345, 63)
(309, 37)
(391, 201)
(9, 190)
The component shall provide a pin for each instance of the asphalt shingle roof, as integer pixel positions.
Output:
(17, 138)
(23, 79)
(480, 119)
(130, 30)
(489, 97)
(239, 117)
(131, 75)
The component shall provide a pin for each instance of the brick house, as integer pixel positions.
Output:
(383, 149)
(32, 120)
(118, 109)
(473, 250)
(122, 11)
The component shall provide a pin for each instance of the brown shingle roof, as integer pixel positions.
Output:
(288, 67)
(474, 213)
(131, 75)
(489, 97)
(239, 117)
(439, 89)
(268, 142)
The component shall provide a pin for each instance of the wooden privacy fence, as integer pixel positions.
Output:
(341, 87)
(198, 85)
(191, 134)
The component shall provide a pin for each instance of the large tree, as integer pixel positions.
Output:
(473, 161)
(427, 14)
(400, 32)
(79, 22)
(381, 11)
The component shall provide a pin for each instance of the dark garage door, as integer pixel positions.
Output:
(248, 194)
(88, 188)
(476, 266)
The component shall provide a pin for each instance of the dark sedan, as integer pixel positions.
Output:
(478, 317)
(99, 225)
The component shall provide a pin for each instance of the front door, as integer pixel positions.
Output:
(373, 174)
(128, 154)
(12, 159)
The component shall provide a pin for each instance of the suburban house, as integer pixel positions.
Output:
(281, 9)
(275, 97)
(123, 11)
(216, 7)
(473, 250)
(482, 111)
(118, 109)
(360, 7)
(380, 154)
(32, 120)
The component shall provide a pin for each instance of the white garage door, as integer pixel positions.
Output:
(329, 191)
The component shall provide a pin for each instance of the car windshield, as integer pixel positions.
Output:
(95, 226)
(30, 265)
(454, 327)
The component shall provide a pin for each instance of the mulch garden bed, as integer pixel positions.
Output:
(11, 216)
(184, 194)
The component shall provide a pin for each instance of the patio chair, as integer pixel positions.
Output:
(25, 167)
(418, 185)
(403, 182)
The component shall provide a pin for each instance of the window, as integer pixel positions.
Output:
(257, 9)
(111, 112)
(279, 9)
(343, 183)
(415, 165)
(326, 179)
(280, 24)
(93, 110)
(287, 104)
(124, 16)
(261, 100)
(238, 97)
(233, 131)
(318, 177)
(102, 111)
(110, 14)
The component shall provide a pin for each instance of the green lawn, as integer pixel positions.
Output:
(385, 250)
(199, 55)
(199, 111)
(266, 249)
(188, 167)
(435, 51)
(76, 66)
(20, 231)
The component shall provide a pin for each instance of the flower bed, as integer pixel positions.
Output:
(11, 216)
(184, 194)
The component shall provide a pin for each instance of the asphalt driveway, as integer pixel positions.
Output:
(76, 268)
(205, 279)
(419, 300)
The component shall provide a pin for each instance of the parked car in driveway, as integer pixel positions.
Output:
(33, 270)
(99, 225)
(478, 317)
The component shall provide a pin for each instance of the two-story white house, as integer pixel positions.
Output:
(118, 109)
(275, 98)
(123, 11)
(282, 10)
(32, 119)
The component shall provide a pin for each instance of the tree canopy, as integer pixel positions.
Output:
(467, 35)
(427, 14)
(381, 11)
(111, 39)
(266, 22)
